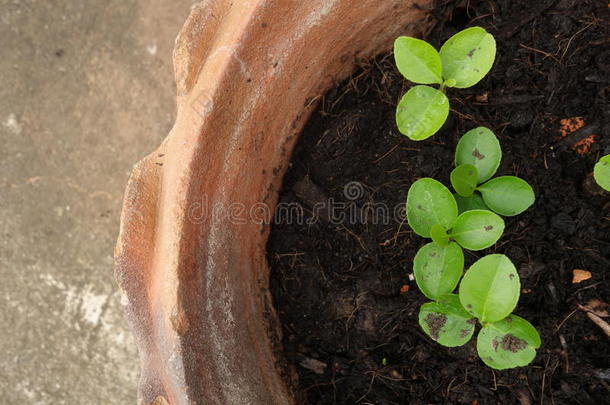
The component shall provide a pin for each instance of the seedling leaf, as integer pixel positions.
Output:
(477, 229)
(507, 195)
(429, 203)
(511, 342)
(422, 112)
(446, 321)
(439, 235)
(438, 269)
(449, 82)
(481, 148)
(468, 56)
(490, 288)
(474, 202)
(417, 60)
(464, 179)
(601, 172)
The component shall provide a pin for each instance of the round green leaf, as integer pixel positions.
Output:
(507, 195)
(480, 148)
(439, 235)
(421, 112)
(490, 288)
(429, 203)
(446, 321)
(477, 229)
(474, 202)
(511, 342)
(417, 60)
(438, 269)
(601, 172)
(464, 179)
(468, 56)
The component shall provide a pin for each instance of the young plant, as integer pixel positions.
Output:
(462, 62)
(477, 158)
(490, 290)
(601, 172)
(488, 293)
(432, 213)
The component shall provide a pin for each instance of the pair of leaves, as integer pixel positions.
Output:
(462, 62)
(601, 172)
(477, 156)
(505, 341)
(430, 203)
(505, 195)
(490, 289)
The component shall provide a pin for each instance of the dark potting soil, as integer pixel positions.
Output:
(341, 273)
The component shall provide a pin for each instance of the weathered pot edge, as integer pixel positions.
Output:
(196, 289)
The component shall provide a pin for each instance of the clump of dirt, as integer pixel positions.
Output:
(512, 343)
(341, 275)
(435, 324)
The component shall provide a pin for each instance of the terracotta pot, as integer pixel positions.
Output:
(195, 282)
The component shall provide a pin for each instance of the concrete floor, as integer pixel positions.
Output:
(86, 90)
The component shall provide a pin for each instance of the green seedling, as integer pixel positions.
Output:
(468, 219)
(432, 213)
(477, 158)
(601, 172)
(488, 294)
(462, 62)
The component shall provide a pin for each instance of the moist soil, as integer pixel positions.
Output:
(342, 283)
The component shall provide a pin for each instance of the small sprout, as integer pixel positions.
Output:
(490, 288)
(462, 62)
(432, 213)
(507, 195)
(474, 202)
(468, 56)
(464, 179)
(438, 269)
(439, 235)
(477, 229)
(601, 172)
(421, 112)
(480, 148)
(430, 203)
(511, 342)
(446, 321)
(449, 83)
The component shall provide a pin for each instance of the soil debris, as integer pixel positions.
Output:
(511, 343)
(435, 323)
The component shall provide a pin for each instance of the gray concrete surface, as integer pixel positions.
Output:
(86, 90)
